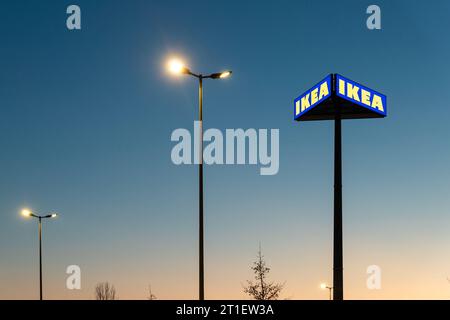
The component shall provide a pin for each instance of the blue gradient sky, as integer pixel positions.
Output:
(85, 126)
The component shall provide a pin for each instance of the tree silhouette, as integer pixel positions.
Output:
(105, 291)
(261, 289)
(151, 296)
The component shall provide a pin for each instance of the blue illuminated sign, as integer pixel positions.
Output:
(339, 96)
(361, 95)
(313, 97)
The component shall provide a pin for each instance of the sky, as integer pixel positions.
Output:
(86, 118)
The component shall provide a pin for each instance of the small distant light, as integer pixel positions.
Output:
(54, 215)
(323, 286)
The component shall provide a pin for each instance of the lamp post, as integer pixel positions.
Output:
(177, 67)
(28, 213)
(324, 286)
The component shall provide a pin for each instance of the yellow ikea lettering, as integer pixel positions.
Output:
(365, 97)
(341, 86)
(319, 92)
(314, 97)
(305, 102)
(323, 90)
(377, 103)
(352, 92)
(355, 92)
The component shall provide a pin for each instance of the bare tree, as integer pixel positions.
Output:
(105, 291)
(261, 289)
(151, 296)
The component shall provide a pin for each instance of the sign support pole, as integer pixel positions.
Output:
(338, 281)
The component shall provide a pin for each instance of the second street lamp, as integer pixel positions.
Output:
(28, 213)
(177, 67)
(324, 286)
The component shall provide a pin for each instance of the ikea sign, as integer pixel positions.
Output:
(337, 95)
(361, 95)
(313, 97)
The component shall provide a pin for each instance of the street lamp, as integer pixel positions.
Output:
(28, 213)
(176, 66)
(324, 286)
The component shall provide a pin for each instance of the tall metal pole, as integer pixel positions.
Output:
(338, 285)
(40, 258)
(201, 287)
